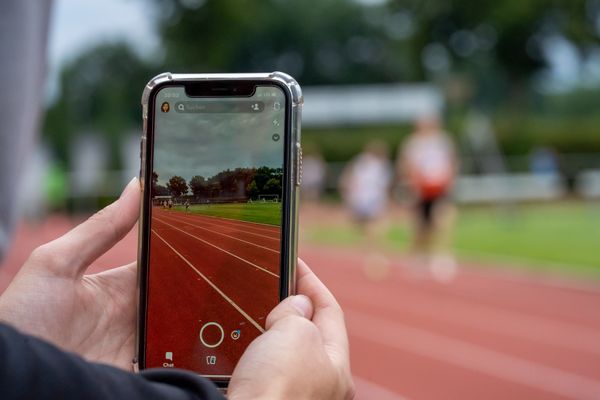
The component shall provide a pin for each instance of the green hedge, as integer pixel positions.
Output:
(517, 135)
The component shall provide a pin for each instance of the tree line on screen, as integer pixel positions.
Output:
(239, 183)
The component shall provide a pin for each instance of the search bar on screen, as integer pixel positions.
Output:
(215, 107)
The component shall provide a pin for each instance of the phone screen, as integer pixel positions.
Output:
(215, 226)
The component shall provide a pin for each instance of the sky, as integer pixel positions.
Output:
(186, 145)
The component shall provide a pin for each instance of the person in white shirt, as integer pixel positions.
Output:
(427, 162)
(365, 183)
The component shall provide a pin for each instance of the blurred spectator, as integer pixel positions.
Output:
(543, 161)
(427, 161)
(365, 184)
(314, 172)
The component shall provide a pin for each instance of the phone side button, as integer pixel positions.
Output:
(142, 156)
(299, 164)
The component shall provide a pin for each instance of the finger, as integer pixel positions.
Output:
(72, 253)
(298, 305)
(327, 316)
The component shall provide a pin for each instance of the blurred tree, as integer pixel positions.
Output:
(252, 190)
(318, 42)
(99, 92)
(158, 190)
(199, 186)
(177, 186)
(214, 189)
(497, 44)
(483, 52)
(154, 184)
(273, 186)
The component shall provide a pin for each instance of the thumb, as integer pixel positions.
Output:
(72, 253)
(299, 306)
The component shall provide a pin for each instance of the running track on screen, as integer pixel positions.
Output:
(228, 268)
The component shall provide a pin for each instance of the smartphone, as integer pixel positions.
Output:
(220, 171)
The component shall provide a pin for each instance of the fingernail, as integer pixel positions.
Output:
(128, 186)
(302, 304)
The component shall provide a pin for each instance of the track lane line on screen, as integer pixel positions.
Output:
(218, 248)
(243, 224)
(248, 224)
(185, 221)
(239, 223)
(230, 301)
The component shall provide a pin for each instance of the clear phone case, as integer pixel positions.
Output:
(294, 165)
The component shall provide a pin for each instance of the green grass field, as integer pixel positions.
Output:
(265, 213)
(560, 237)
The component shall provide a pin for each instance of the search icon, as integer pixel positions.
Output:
(180, 107)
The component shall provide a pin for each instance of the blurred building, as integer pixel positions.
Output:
(369, 104)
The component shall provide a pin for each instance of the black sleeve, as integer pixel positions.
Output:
(33, 369)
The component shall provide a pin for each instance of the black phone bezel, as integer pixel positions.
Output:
(214, 89)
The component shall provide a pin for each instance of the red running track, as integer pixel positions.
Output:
(209, 275)
(489, 334)
(486, 335)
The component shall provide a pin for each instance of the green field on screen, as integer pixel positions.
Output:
(261, 212)
(560, 237)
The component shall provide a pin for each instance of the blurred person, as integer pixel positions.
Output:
(314, 172)
(187, 205)
(427, 162)
(65, 334)
(365, 184)
(365, 187)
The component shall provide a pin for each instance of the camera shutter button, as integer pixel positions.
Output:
(212, 342)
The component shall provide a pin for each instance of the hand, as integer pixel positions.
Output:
(93, 315)
(304, 352)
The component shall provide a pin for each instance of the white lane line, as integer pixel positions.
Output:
(218, 248)
(368, 390)
(238, 308)
(517, 323)
(527, 276)
(489, 319)
(245, 222)
(470, 356)
(248, 224)
(219, 233)
(211, 223)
